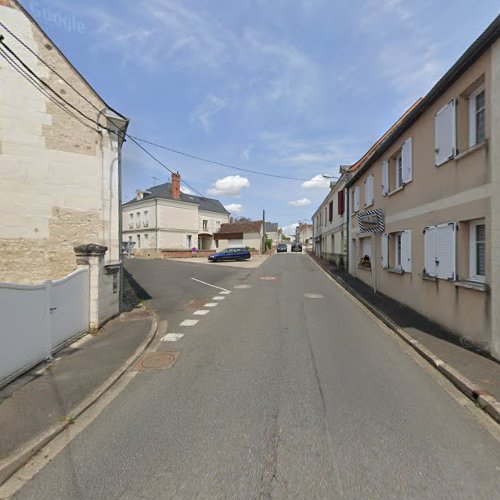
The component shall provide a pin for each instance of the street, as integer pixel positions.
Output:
(285, 388)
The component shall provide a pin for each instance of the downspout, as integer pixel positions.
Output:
(347, 204)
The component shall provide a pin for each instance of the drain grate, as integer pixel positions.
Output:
(156, 361)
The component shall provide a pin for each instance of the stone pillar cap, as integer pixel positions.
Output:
(90, 249)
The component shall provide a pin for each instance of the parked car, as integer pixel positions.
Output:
(230, 254)
(282, 247)
(296, 247)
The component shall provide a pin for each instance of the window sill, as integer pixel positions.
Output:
(426, 277)
(365, 268)
(473, 285)
(370, 205)
(469, 151)
(395, 270)
(394, 191)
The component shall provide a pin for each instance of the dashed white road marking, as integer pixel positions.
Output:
(201, 312)
(213, 286)
(218, 297)
(189, 322)
(172, 337)
(227, 292)
(242, 286)
(211, 304)
(313, 295)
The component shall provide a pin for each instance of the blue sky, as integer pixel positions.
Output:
(289, 87)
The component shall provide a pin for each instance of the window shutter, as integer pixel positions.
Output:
(385, 177)
(384, 256)
(406, 251)
(430, 250)
(445, 130)
(445, 251)
(356, 198)
(407, 160)
(341, 202)
(369, 190)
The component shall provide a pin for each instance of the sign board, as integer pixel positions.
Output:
(371, 221)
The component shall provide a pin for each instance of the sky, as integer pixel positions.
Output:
(293, 88)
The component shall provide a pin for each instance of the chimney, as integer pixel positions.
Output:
(176, 186)
(139, 195)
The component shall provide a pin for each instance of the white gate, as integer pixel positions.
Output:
(36, 319)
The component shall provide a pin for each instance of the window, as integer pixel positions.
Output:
(397, 171)
(445, 133)
(138, 222)
(369, 191)
(325, 217)
(396, 251)
(440, 251)
(477, 117)
(477, 251)
(188, 241)
(131, 221)
(146, 236)
(205, 225)
(217, 225)
(330, 211)
(146, 220)
(398, 164)
(340, 204)
(138, 241)
(366, 253)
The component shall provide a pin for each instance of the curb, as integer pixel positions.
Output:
(11, 465)
(481, 397)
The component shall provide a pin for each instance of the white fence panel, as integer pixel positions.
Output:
(36, 319)
(69, 307)
(23, 328)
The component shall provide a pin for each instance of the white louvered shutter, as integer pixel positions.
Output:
(430, 250)
(407, 161)
(385, 177)
(356, 198)
(445, 133)
(445, 251)
(369, 190)
(406, 251)
(384, 256)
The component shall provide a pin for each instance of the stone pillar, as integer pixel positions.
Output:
(92, 255)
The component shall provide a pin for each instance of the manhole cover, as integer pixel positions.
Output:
(267, 278)
(156, 361)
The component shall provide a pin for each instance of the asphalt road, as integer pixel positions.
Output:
(286, 389)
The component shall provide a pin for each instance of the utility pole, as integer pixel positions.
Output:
(263, 249)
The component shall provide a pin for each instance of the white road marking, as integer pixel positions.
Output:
(242, 286)
(313, 295)
(201, 312)
(218, 297)
(211, 304)
(213, 286)
(172, 337)
(227, 292)
(189, 322)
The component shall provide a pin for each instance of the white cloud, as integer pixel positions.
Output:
(186, 190)
(300, 203)
(207, 110)
(290, 229)
(229, 186)
(234, 208)
(318, 181)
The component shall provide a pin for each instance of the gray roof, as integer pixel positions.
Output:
(271, 227)
(164, 191)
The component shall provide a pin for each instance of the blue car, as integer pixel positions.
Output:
(230, 254)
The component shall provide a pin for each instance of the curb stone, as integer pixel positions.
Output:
(11, 465)
(483, 398)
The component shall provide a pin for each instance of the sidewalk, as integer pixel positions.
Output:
(474, 372)
(38, 405)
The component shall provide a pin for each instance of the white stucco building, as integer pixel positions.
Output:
(165, 218)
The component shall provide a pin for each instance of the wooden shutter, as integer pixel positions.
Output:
(430, 250)
(369, 190)
(385, 177)
(445, 251)
(407, 161)
(384, 256)
(340, 204)
(356, 198)
(445, 133)
(330, 211)
(406, 251)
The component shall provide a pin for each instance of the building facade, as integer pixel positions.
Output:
(423, 211)
(165, 218)
(60, 172)
(240, 234)
(304, 234)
